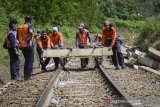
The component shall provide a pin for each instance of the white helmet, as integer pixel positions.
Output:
(55, 29)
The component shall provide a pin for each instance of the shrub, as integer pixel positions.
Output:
(150, 34)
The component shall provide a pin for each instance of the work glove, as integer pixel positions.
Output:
(101, 46)
(69, 48)
(42, 50)
(61, 47)
(109, 48)
(56, 46)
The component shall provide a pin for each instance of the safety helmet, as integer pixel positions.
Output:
(55, 29)
(107, 23)
(81, 26)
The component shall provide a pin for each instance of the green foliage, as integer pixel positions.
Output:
(67, 14)
(69, 35)
(150, 34)
(127, 24)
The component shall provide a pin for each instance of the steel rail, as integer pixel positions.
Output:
(42, 100)
(127, 98)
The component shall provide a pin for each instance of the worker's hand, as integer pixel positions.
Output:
(109, 48)
(42, 50)
(92, 46)
(69, 48)
(16, 52)
(56, 46)
(101, 46)
(61, 47)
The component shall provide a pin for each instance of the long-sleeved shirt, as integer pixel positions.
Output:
(88, 36)
(12, 42)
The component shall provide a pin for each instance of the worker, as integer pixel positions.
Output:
(110, 39)
(43, 43)
(13, 51)
(82, 36)
(56, 41)
(25, 36)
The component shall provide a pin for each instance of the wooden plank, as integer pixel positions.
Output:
(154, 53)
(149, 69)
(90, 52)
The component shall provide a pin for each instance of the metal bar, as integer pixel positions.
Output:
(90, 52)
(149, 69)
(42, 100)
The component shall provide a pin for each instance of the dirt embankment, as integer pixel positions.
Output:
(5, 69)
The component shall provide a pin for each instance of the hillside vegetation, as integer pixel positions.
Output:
(132, 15)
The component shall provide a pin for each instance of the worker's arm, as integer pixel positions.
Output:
(48, 42)
(90, 38)
(61, 41)
(103, 37)
(113, 36)
(77, 40)
(51, 41)
(12, 43)
(31, 34)
(40, 43)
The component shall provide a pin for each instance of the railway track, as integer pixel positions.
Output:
(83, 88)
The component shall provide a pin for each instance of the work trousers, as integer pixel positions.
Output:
(58, 61)
(84, 61)
(14, 65)
(43, 62)
(28, 53)
(117, 57)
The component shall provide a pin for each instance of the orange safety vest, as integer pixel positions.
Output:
(83, 38)
(44, 42)
(109, 35)
(23, 35)
(56, 39)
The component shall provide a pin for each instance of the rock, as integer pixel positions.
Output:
(7, 85)
(124, 51)
(129, 54)
(154, 53)
(147, 61)
(137, 54)
(130, 62)
(135, 67)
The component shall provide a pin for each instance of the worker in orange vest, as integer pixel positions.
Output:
(110, 39)
(56, 41)
(82, 37)
(25, 37)
(43, 43)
